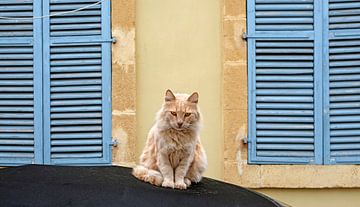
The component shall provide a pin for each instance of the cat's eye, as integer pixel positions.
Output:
(173, 113)
(187, 114)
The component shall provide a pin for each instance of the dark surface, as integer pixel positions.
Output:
(37, 185)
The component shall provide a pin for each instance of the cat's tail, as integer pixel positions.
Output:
(151, 176)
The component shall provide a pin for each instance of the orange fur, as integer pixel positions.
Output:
(173, 155)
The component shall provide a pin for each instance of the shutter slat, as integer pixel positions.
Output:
(75, 75)
(76, 62)
(344, 77)
(76, 102)
(270, 14)
(345, 105)
(76, 122)
(344, 84)
(284, 106)
(16, 89)
(347, 5)
(16, 115)
(293, 146)
(345, 139)
(75, 20)
(75, 89)
(277, 92)
(75, 115)
(83, 135)
(17, 108)
(344, 91)
(345, 146)
(16, 154)
(77, 155)
(17, 122)
(285, 133)
(287, 99)
(284, 85)
(345, 153)
(345, 112)
(17, 103)
(16, 136)
(353, 70)
(352, 132)
(75, 69)
(283, 71)
(345, 126)
(75, 95)
(285, 140)
(16, 82)
(346, 119)
(285, 126)
(76, 149)
(16, 142)
(344, 98)
(16, 149)
(75, 82)
(76, 142)
(286, 153)
(77, 108)
(272, 119)
(75, 128)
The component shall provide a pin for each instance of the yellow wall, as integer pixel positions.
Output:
(178, 47)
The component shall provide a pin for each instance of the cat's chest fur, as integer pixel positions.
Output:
(177, 145)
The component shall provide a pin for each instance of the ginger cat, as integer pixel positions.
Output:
(173, 155)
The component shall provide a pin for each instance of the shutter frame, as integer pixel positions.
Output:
(21, 40)
(102, 40)
(257, 35)
(341, 105)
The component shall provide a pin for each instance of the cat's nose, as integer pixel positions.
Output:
(180, 124)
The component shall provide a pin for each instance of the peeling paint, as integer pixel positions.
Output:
(127, 112)
(124, 48)
(121, 136)
(238, 33)
(240, 136)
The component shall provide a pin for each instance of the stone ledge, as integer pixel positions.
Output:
(292, 176)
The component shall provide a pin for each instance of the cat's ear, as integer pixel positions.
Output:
(194, 98)
(169, 96)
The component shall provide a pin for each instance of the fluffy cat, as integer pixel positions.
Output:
(173, 155)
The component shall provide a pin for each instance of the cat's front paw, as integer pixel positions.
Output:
(187, 181)
(180, 185)
(168, 183)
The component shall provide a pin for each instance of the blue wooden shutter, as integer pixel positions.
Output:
(284, 60)
(342, 97)
(77, 83)
(20, 83)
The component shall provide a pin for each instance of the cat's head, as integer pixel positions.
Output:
(180, 111)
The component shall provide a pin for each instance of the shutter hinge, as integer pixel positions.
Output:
(245, 140)
(113, 40)
(244, 36)
(114, 143)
